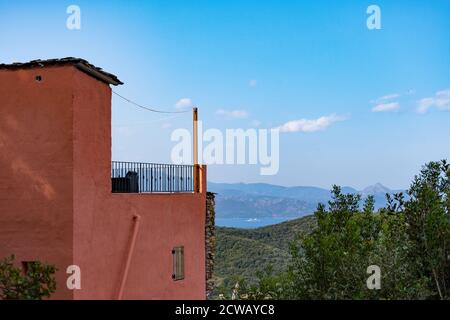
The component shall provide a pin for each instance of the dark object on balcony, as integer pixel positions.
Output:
(129, 184)
(133, 178)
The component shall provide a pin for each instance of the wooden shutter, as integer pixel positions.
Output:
(178, 263)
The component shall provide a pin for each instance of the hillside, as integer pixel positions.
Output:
(260, 206)
(244, 252)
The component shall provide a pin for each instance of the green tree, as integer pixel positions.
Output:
(428, 217)
(36, 283)
(409, 240)
(331, 262)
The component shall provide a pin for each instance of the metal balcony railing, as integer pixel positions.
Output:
(137, 177)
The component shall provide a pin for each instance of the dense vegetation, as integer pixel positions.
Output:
(408, 239)
(243, 253)
(34, 283)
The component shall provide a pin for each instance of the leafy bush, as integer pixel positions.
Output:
(36, 283)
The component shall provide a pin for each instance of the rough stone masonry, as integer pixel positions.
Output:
(210, 238)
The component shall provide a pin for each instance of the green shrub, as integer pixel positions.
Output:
(36, 283)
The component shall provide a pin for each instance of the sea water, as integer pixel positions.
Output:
(249, 223)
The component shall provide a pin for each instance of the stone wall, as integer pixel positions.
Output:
(210, 238)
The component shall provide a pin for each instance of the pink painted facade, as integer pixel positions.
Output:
(56, 203)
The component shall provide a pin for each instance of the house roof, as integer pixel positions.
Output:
(81, 64)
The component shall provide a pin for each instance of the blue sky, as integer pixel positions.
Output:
(265, 63)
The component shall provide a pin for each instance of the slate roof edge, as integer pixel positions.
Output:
(81, 64)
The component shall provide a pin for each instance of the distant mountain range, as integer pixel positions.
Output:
(261, 200)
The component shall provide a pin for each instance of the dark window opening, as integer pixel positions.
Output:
(27, 265)
(38, 78)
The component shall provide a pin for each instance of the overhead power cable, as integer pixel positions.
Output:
(147, 108)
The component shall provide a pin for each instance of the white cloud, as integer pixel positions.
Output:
(387, 98)
(386, 107)
(310, 125)
(235, 114)
(184, 103)
(424, 105)
(253, 83)
(387, 103)
(441, 101)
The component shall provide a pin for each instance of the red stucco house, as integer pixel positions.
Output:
(137, 231)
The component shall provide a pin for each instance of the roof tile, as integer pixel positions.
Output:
(81, 64)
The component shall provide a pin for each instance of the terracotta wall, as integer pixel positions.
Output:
(36, 190)
(97, 229)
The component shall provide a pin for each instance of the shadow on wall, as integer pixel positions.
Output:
(13, 162)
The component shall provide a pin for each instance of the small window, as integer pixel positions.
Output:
(38, 78)
(178, 263)
(27, 265)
